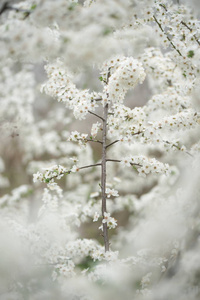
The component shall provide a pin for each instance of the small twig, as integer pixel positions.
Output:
(95, 141)
(117, 160)
(108, 75)
(137, 132)
(173, 145)
(114, 160)
(90, 166)
(190, 29)
(119, 140)
(92, 113)
(18, 9)
(6, 6)
(183, 23)
(112, 143)
(96, 99)
(163, 6)
(79, 168)
(172, 44)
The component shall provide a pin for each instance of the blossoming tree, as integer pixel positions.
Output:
(130, 171)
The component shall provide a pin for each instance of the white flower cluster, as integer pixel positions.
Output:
(81, 248)
(125, 73)
(54, 172)
(100, 255)
(111, 192)
(160, 67)
(76, 136)
(16, 196)
(145, 282)
(170, 100)
(111, 222)
(50, 201)
(184, 36)
(22, 40)
(59, 82)
(17, 95)
(126, 122)
(96, 217)
(95, 128)
(66, 270)
(145, 165)
(46, 12)
(61, 87)
(180, 121)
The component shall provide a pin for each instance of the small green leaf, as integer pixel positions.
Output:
(30, 191)
(134, 167)
(107, 31)
(33, 6)
(114, 16)
(66, 40)
(101, 78)
(72, 6)
(190, 53)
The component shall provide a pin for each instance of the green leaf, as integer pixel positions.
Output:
(190, 53)
(134, 167)
(114, 16)
(30, 191)
(33, 6)
(72, 6)
(107, 31)
(101, 78)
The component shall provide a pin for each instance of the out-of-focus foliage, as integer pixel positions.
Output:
(51, 246)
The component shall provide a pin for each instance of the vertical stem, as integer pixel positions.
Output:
(103, 176)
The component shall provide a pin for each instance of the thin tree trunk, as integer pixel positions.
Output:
(103, 176)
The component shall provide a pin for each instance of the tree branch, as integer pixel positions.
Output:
(119, 140)
(90, 140)
(114, 160)
(117, 160)
(183, 23)
(112, 143)
(190, 29)
(69, 172)
(6, 6)
(92, 113)
(172, 44)
(177, 147)
(95, 141)
(96, 99)
(90, 166)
